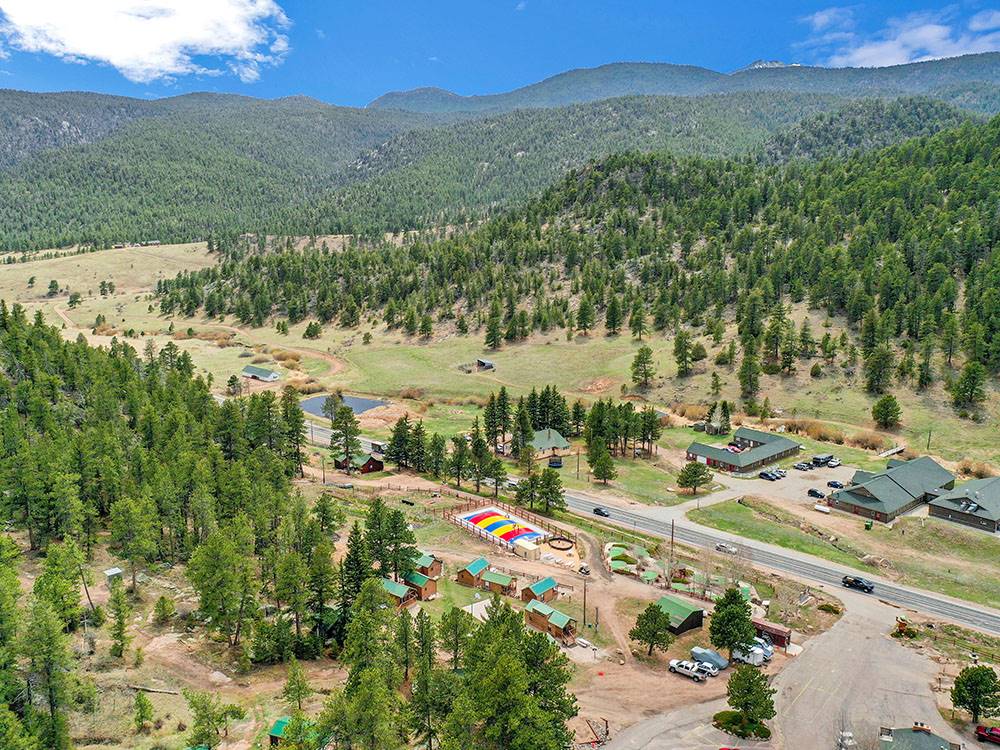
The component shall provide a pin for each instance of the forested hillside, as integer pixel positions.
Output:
(110, 447)
(884, 239)
(620, 79)
(864, 125)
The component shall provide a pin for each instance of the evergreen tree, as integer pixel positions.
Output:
(121, 611)
(344, 432)
(886, 412)
(296, 687)
(682, 353)
(731, 627)
(642, 367)
(652, 629)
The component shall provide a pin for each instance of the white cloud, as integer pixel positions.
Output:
(150, 39)
(521, 6)
(912, 38)
(835, 17)
(986, 20)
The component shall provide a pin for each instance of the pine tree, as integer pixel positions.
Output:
(297, 687)
(637, 320)
(613, 316)
(682, 353)
(344, 432)
(121, 611)
(142, 712)
(652, 629)
(642, 367)
(399, 443)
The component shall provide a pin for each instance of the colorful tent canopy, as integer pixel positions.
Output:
(501, 526)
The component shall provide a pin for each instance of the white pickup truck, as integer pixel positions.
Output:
(686, 668)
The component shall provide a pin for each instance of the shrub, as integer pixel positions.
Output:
(871, 441)
(816, 371)
(977, 469)
(731, 722)
(829, 607)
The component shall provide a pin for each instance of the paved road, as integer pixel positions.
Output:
(850, 677)
(657, 521)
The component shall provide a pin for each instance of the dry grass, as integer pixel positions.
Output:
(306, 386)
(260, 359)
(978, 469)
(411, 393)
(815, 430)
(871, 441)
(284, 356)
(221, 339)
(695, 412)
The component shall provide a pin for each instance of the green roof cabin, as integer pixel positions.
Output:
(548, 442)
(550, 621)
(424, 586)
(471, 574)
(544, 590)
(499, 583)
(429, 565)
(363, 463)
(400, 594)
(903, 486)
(260, 373)
(683, 616)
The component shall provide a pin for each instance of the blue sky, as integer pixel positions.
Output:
(350, 52)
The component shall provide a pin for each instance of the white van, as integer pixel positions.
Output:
(753, 657)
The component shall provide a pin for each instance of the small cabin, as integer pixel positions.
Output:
(471, 574)
(498, 583)
(485, 364)
(425, 587)
(429, 565)
(544, 590)
(365, 463)
(401, 595)
(551, 621)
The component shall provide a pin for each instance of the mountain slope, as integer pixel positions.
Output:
(621, 79)
(864, 125)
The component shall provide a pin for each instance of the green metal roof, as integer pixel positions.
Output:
(981, 494)
(397, 590)
(477, 566)
(913, 739)
(491, 576)
(617, 566)
(557, 618)
(260, 372)
(678, 609)
(899, 485)
(425, 560)
(417, 579)
(771, 446)
(649, 575)
(546, 440)
(540, 587)
(279, 726)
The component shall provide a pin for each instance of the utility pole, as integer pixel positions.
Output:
(577, 463)
(929, 430)
(584, 602)
(670, 572)
(323, 458)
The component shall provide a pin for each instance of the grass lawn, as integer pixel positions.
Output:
(925, 553)
(640, 479)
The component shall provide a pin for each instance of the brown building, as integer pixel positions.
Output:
(544, 590)
(551, 621)
(472, 574)
(499, 583)
(424, 587)
(975, 504)
(429, 565)
(366, 463)
(401, 595)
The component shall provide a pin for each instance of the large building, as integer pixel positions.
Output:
(976, 503)
(903, 486)
(751, 451)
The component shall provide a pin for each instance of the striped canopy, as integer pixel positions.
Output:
(501, 526)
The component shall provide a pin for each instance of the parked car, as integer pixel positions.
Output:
(988, 734)
(602, 512)
(802, 466)
(754, 657)
(727, 548)
(859, 583)
(767, 475)
(837, 485)
(766, 648)
(686, 668)
(833, 463)
(584, 569)
(813, 492)
(709, 670)
(781, 473)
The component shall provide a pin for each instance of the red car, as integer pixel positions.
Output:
(988, 734)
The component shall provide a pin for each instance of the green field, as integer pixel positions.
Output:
(926, 553)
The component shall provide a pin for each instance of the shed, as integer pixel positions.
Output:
(544, 590)
(780, 635)
(111, 575)
(527, 550)
(263, 374)
(485, 364)
(429, 565)
(683, 616)
(424, 586)
(498, 583)
(550, 621)
(471, 574)
(400, 594)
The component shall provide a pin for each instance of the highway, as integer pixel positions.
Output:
(801, 566)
